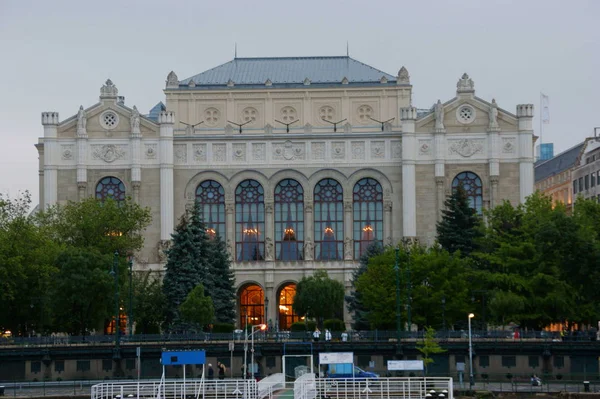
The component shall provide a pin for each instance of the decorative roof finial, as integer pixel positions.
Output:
(172, 81)
(465, 85)
(109, 90)
(403, 76)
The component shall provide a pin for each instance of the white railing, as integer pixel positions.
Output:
(380, 388)
(176, 389)
(270, 384)
(305, 387)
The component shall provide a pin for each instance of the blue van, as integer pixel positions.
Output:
(344, 370)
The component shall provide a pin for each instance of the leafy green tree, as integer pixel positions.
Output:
(319, 296)
(354, 301)
(197, 309)
(459, 228)
(187, 265)
(148, 304)
(220, 285)
(82, 293)
(27, 266)
(429, 346)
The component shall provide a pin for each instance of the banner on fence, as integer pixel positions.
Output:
(404, 365)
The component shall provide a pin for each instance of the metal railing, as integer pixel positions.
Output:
(305, 387)
(270, 384)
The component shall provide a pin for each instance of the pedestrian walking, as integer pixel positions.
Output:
(211, 372)
(316, 335)
(222, 370)
(327, 335)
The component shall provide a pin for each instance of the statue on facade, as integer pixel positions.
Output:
(308, 249)
(493, 114)
(348, 248)
(81, 119)
(268, 248)
(134, 120)
(438, 110)
(230, 249)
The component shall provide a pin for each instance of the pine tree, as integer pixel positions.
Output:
(459, 228)
(354, 301)
(186, 265)
(220, 286)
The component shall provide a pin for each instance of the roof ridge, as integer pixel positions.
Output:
(561, 153)
(291, 58)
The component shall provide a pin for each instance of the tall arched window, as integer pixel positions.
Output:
(287, 316)
(289, 220)
(252, 305)
(367, 197)
(472, 185)
(249, 221)
(211, 197)
(110, 187)
(329, 220)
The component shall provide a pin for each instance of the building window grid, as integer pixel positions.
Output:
(559, 361)
(587, 182)
(36, 367)
(534, 361)
(592, 180)
(509, 361)
(252, 299)
(287, 316)
(484, 361)
(575, 187)
(289, 220)
(250, 221)
(211, 197)
(83, 365)
(367, 200)
(580, 184)
(472, 185)
(329, 220)
(59, 366)
(110, 187)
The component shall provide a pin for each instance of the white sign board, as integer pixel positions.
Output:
(402, 365)
(336, 357)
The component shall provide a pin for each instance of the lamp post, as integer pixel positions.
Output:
(130, 315)
(398, 324)
(260, 327)
(471, 315)
(444, 313)
(408, 298)
(115, 274)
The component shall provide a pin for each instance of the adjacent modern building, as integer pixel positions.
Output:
(544, 151)
(586, 172)
(298, 163)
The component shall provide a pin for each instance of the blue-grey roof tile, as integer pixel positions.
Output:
(289, 70)
(558, 164)
(156, 110)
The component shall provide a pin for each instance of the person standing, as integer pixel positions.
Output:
(222, 370)
(211, 372)
(327, 335)
(316, 335)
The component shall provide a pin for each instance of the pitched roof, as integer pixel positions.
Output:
(155, 111)
(290, 71)
(561, 162)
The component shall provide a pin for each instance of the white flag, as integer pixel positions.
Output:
(545, 108)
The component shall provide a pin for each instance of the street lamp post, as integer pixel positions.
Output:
(130, 316)
(471, 315)
(260, 327)
(115, 274)
(398, 324)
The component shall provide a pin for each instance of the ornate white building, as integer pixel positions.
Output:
(299, 164)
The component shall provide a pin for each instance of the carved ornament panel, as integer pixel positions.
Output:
(378, 149)
(180, 154)
(465, 147)
(396, 149)
(219, 152)
(67, 152)
(199, 152)
(358, 150)
(289, 151)
(338, 150)
(239, 152)
(259, 151)
(317, 150)
(108, 152)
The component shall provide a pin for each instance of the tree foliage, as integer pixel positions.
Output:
(459, 228)
(197, 309)
(319, 296)
(220, 286)
(148, 304)
(429, 346)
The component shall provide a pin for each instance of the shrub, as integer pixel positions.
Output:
(485, 376)
(223, 328)
(335, 324)
(58, 379)
(298, 326)
(509, 376)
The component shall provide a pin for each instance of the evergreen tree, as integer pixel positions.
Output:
(187, 265)
(197, 309)
(460, 225)
(354, 301)
(219, 282)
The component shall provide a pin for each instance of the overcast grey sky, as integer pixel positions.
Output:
(55, 55)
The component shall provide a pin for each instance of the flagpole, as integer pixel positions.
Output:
(541, 125)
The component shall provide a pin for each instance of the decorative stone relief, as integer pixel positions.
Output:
(387, 206)
(364, 113)
(288, 114)
(348, 206)
(338, 150)
(150, 151)
(317, 150)
(212, 116)
(358, 150)
(219, 152)
(378, 149)
(268, 248)
(258, 151)
(424, 147)
(465, 84)
(326, 112)
(239, 152)
(508, 145)
(348, 249)
(403, 76)
(465, 114)
(308, 128)
(67, 152)
(308, 207)
(180, 154)
(268, 129)
(199, 151)
(308, 249)
(288, 151)
(162, 246)
(465, 147)
(396, 149)
(249, 115)
(108, 152)
(108, 120)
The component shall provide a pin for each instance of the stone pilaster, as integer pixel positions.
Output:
(82, 150)
(348, 222)
(440, 195)
(230, 227)
(387, 222)
(136, 191)
(409, 151)
(166, 120)
(269, 230)
(309, 229)
(526, 181)
(494, 200)
(51, 154)
(81, 190)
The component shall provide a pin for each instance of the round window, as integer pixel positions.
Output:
(465, 114)
(109, 120)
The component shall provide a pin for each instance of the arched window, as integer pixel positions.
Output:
(249, 221)
(289, 220)
(211, 197)
(472, 185)
(329, 220)
(110, 187)
(367, 197)
(252, 308)
(287, 316)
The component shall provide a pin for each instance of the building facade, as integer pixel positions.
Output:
(586, 172)
(298, 163)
